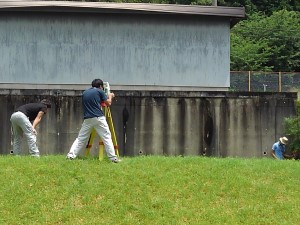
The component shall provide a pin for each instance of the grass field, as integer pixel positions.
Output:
(149, 190)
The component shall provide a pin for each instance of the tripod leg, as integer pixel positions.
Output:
(101, 144)
(112, 130)
(90, 143)
(101, 150)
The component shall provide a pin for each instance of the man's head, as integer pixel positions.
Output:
(283, 140)
(46, 102)
(97, 83)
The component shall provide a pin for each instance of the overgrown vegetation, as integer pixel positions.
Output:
(267, 43)
(149, 190)
(292, 129)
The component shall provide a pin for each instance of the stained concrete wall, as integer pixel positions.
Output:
(158, 51)
(163, 123)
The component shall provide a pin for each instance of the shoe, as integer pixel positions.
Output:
(69, 158)
(116, 160)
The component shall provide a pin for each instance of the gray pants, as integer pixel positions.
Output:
(102, 129)
(21, 125)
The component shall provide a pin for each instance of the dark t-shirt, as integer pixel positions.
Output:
(91, 100)
(31, 110)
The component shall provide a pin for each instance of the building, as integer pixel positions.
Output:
(64, 45)
(169, 66)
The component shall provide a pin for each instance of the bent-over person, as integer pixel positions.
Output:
(24, 121)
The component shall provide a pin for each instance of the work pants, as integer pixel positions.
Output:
(102, 129)
(21, 125)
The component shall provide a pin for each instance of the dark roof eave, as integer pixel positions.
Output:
(130, 8)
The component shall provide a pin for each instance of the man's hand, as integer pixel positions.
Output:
(273, 154)
(111, 95)
(34, 131)
(109, 99)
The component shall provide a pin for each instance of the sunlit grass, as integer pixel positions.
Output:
(149, 190)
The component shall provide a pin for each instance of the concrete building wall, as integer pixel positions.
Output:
(126, 50)
(163, 123)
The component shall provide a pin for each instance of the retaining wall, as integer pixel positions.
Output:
(162, 123)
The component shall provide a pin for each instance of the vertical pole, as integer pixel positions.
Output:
(279, 81)
(214, 2)
(249, 81)
(265, 87)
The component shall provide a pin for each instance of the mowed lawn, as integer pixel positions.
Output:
(149, 190)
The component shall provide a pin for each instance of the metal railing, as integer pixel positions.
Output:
(253, 81)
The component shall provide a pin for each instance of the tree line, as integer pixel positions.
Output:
(268, 39)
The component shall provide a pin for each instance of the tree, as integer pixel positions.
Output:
(249, 55)
(283, 32)
(266, 7)
(292, 129)
(273, 41)
(269, 6)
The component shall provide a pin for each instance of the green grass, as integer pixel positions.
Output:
(149, 190)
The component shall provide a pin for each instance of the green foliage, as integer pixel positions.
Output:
(250, 7)
(271, 42)
(201, 2)
(269, 6)
(247, 54)
(292, 129)
(283, 33)
(266, 7)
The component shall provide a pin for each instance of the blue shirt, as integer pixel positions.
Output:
(279, 149)
(91, 100)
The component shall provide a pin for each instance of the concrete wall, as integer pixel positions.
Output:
(126, 50)
(170, 123)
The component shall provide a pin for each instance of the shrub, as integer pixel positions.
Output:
(292, 129)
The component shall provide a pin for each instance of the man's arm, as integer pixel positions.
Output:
(109, 99)
(37, 120)
(273, 154)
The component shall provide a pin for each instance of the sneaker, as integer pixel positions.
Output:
(116, 160)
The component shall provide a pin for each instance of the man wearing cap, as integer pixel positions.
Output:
(24, 121)
(278, 148)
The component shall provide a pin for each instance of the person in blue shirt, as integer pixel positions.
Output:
(278, 149)
(94, 119)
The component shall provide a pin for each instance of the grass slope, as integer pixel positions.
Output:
(149, 190)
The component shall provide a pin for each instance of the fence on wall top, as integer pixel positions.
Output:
(254, 81)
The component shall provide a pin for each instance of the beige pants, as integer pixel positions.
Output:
(102, 129)
(21, 125)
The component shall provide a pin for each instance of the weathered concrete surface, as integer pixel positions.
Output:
(170, 123)
(131, 51)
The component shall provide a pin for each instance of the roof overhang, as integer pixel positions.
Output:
(233, 13)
